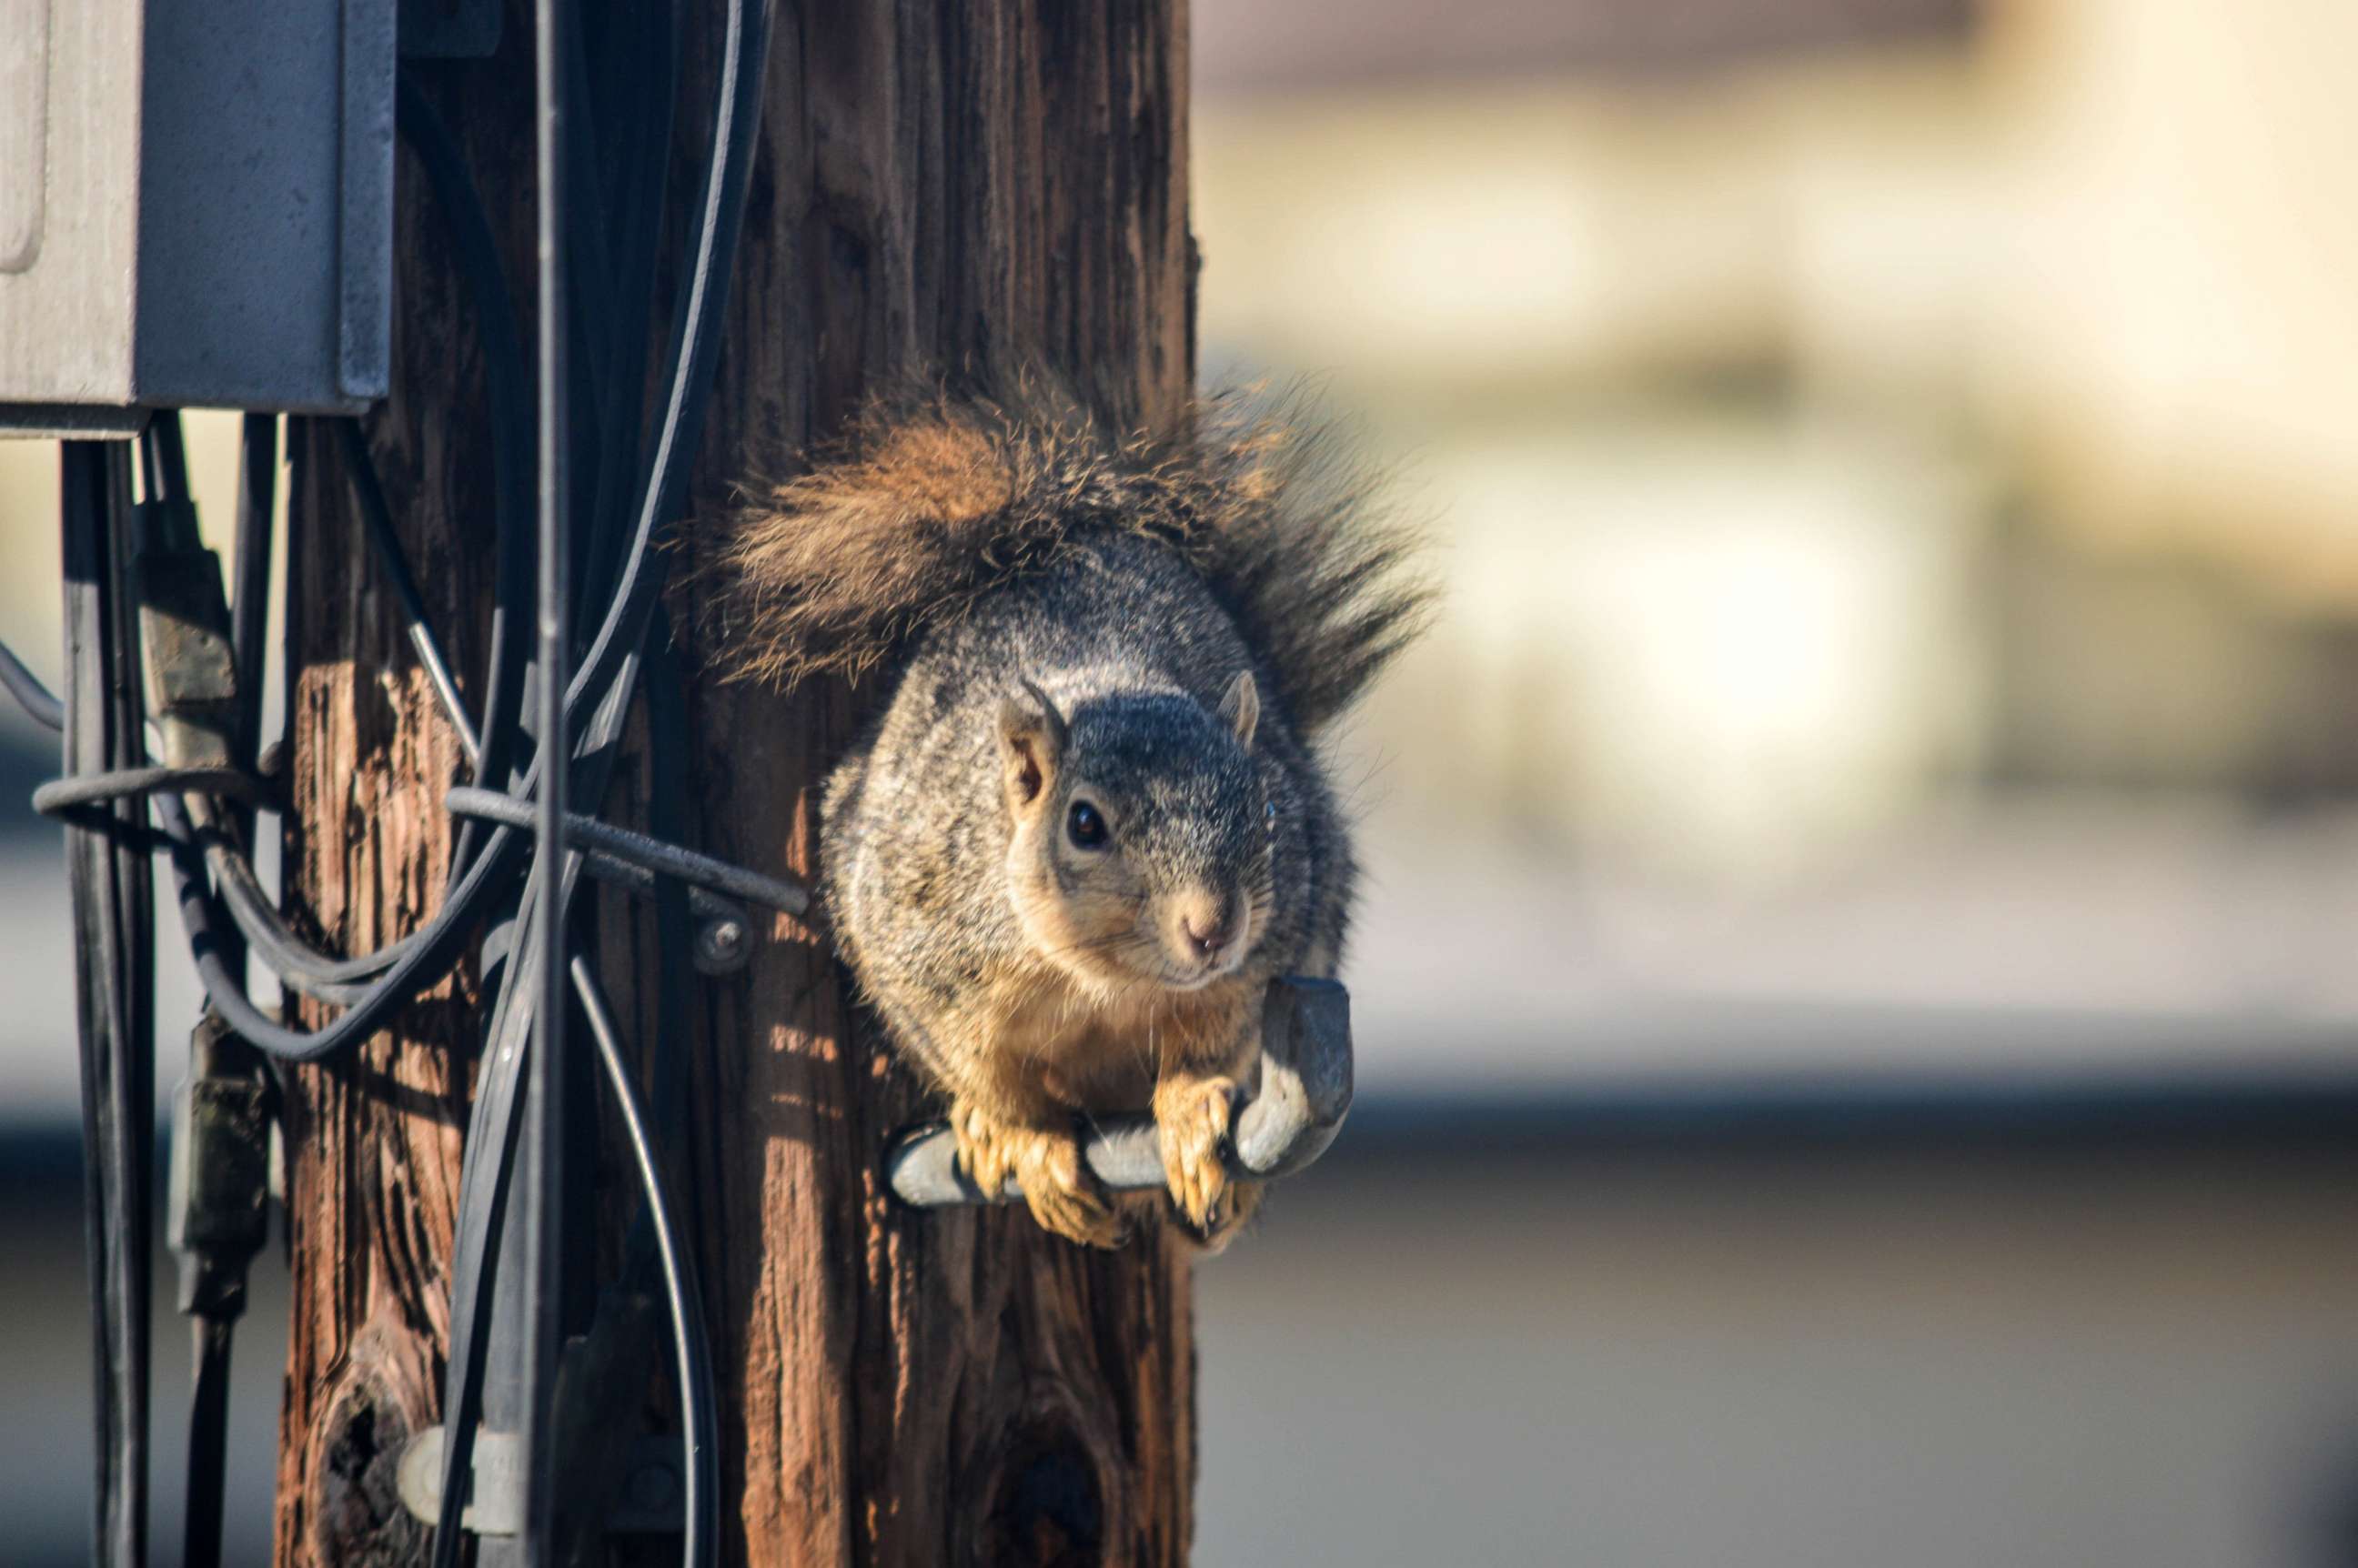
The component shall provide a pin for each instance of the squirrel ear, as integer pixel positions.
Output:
(1030, 742)
(1240, 708)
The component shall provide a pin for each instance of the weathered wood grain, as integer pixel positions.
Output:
(942, 188)
(373, 1139)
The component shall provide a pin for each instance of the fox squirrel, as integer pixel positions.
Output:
(1089, 826)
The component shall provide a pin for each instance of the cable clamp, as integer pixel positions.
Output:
(220, 1183)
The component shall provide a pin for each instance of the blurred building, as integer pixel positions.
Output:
(1898, 519)
(1856, 1039)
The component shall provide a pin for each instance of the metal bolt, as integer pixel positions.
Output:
(720, 945)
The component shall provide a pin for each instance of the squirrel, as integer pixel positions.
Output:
(1089, 823)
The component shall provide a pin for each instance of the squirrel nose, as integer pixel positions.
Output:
(1207, 939)
(1208, 928)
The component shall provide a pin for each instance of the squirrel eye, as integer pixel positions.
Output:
(1085, 827)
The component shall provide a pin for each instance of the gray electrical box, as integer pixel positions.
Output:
(196, 207)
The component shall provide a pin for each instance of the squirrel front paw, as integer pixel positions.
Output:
(1057, 1186)
(1190, 1121)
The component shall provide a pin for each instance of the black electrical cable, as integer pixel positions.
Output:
(638, 849)
(694, 337)
(698, 1424)
(599, 691)
(417, 962)
(39, 705)
(249, 600)
(212, 1324)
(669, 745)
(344, 983)
(408, 965)
(508, 392)
(200, 1527)
(645, 134)
(429, 953)
(114, 995)
(361, 470)
(543, 1273)
(612, 655)
(298, 965)
(59, 798)
(135, 987)
(294, 962)
(341, 981)
(593, 394)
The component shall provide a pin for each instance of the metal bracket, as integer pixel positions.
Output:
(1304, 1096)
(648, 1502)
(184, 631)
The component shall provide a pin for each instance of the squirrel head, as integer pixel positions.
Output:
(1140, 833)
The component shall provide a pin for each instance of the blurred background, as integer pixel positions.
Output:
(1858, 1065)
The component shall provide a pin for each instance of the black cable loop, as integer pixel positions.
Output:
(431, 951)
(59, 798)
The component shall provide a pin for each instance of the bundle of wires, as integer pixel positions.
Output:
(585, 481)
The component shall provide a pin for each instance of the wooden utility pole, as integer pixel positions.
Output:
(951, 187)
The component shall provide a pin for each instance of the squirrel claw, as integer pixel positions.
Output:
(1076, 1215)
(1192, 1124)
(1062, 1194)
(1057, 1188)
(1229, 1221)
(984, 1152)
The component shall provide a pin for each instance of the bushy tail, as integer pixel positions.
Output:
(928, 504)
